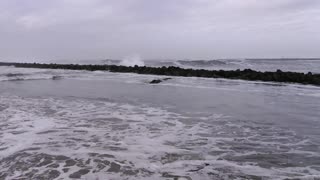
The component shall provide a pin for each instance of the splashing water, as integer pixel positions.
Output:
(132, 61)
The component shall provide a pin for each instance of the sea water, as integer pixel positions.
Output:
(60, 124)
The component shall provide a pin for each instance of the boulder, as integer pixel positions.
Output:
(155, 81)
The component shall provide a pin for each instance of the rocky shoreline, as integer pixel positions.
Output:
(246, 74)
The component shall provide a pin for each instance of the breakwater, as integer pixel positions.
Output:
(246, 74)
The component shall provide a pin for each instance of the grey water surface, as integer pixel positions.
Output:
(102, 125)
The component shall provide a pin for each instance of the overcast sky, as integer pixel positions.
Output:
(193, 29)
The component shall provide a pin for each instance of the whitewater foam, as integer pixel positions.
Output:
(99, 137)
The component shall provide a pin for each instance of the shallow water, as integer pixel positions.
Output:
(117, 126)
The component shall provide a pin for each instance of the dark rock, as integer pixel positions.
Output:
(155, 81)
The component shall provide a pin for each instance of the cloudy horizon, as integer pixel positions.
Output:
(168, 29)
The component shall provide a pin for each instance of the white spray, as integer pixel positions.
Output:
(132, 61)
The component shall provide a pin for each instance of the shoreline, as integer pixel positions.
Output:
(246, 74)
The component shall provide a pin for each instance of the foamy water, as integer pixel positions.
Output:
(103, 138)
(101, 125)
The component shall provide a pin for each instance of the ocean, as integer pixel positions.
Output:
(60, 124)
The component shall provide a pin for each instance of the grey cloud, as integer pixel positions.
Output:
(83, 29)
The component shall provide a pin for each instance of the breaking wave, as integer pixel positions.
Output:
(134, 60)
